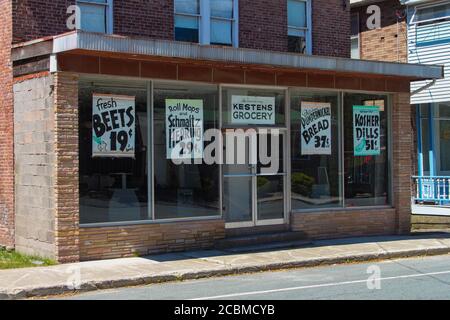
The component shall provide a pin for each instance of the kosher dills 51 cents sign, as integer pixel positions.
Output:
(366, 130)
(315, 129)
(252, 110)
(184, 129)
(113, 126)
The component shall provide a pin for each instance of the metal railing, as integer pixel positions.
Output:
(434, 190)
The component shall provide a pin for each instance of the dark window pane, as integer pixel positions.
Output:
(270, 193)
(355, 24)
(366, 177)
(315, 178)
(297, 44)
(113, 189)
(184, 190)
(188, 35)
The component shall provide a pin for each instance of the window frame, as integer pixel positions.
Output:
(198, 16)
(389, 150)
(356, 36)
(109, 13)
(305, 30)
(204, 23)
(414, 19)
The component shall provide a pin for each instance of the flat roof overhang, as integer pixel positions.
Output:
(80, 42)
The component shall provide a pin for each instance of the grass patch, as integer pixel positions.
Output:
(12, 260)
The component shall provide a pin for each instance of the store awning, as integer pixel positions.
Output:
(80, 41)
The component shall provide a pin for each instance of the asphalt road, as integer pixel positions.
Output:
(415, 278)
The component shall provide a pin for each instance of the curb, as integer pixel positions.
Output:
(54, 290)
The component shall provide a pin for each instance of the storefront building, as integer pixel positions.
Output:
(117, 145)
(107, 181)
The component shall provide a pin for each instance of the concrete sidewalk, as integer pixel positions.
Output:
(43, 281)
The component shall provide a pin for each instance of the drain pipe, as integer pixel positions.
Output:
(428, 85)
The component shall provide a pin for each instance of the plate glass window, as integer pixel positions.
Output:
(190, 189)
(366, 176)
(315, 178)
(113, 188)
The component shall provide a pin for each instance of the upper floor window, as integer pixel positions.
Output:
(299, 26)
(96, 15)
(207, 21)
(355, 48)
(429, 25)
(432, 14)
(187, 20)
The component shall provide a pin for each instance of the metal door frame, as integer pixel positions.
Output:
(254, 192)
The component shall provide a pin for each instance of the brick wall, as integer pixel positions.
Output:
(39, 18)
(387, 43)
(402, 134)
(34, 166)
(344, 223)
(127, 241)
(6, 128)
(152, 19)
(262, 23)
(331, 28)
(67, 164)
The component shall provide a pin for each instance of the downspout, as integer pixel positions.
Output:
(428, 85)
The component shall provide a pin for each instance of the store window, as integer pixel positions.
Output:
(189, 189)
(299, 26)
(315, 151)
(365, 150)
(96, 15)
(253, 107)
(114, 152)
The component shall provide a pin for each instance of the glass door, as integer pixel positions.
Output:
(254, 190)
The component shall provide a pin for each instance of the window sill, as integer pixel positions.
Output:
(145, 222)
(338, 209)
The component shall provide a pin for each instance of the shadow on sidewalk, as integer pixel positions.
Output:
(211, 253)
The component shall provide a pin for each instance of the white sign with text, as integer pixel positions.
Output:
(252, 110)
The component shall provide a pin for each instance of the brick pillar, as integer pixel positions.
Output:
(6, 128)
(402, 133)
(67, 160)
